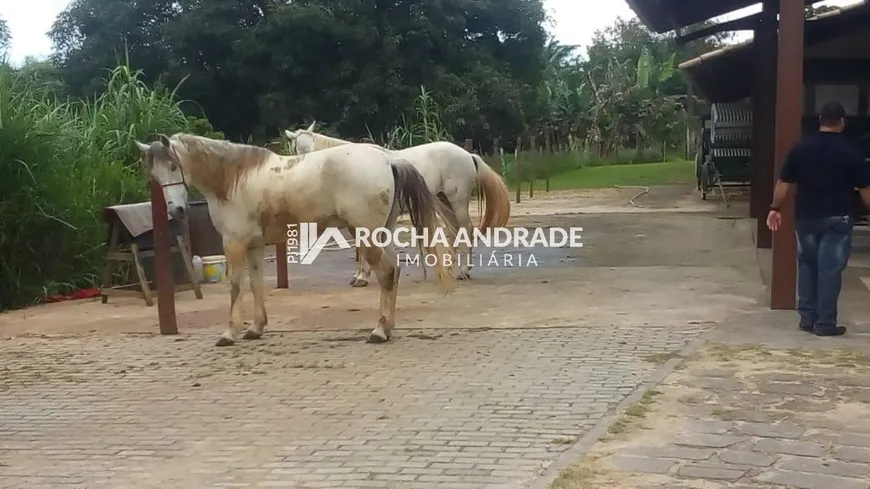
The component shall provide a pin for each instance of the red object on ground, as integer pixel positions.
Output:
(77, 295)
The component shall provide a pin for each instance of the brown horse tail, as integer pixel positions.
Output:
(425, 210)
(495, 193)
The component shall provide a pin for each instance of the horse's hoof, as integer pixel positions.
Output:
(376, 338)
(358, 282)
(252, 335)
(224, 342)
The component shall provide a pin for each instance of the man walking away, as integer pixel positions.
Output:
(826, 169)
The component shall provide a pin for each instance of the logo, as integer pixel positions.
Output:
(304, 243)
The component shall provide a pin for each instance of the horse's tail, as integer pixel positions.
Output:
(425, 210)
(495, 193)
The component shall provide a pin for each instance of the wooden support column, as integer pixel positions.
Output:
(281, 264)
(764, 121)
(756, 204)
(790, 63)
(163, 262)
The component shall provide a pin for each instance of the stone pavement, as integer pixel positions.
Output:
(445, 409)
(764, 412)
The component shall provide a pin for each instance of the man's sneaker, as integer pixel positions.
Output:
(830, 331)
(806, 327)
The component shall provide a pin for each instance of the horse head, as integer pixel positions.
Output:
(301, 140)
(161, 162)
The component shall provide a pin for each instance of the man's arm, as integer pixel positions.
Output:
(861, 176)
(780, 192)
(788, 177)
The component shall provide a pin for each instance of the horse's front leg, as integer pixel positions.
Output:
(255, 272)
(363, 271)
(235, 252)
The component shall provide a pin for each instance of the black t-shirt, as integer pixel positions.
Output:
(826, 168)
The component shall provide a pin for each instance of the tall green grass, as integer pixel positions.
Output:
(423, 127)
(61, 163)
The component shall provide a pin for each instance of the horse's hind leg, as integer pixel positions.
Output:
(383, 262)
(363, 271)
(235, 252)
(459, 218)
(255, 272)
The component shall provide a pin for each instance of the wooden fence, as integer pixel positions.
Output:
(524, 167)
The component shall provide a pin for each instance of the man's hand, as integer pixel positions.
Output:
(774, 220)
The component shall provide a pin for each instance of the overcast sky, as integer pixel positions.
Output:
(576, 21)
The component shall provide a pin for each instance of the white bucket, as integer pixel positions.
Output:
(214, 268)
(197, 268)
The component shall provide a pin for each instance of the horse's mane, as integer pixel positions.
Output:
(322, 141)
(219, 166)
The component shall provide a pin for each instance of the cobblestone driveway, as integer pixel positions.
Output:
(446, 409)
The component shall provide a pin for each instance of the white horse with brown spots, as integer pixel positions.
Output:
(253, 193)
(450, 172)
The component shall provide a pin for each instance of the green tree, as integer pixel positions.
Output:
(5, 37)
(90, 37)
(258, 66)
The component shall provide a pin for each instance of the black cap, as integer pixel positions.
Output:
(832, 112)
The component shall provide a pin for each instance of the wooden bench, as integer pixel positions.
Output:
(130, 239)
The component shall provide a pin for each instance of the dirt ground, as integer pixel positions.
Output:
(636, 267)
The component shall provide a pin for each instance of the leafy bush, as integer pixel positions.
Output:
(61, 163)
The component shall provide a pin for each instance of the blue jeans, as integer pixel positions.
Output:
(824, 246)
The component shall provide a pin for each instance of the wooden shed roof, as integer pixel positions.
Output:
(722, 75)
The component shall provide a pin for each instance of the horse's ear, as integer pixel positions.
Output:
(311, 127)
(143, 147)
(290, 134)
(164, 140)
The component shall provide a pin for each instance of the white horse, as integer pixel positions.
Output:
(252, 193)
(450, 172)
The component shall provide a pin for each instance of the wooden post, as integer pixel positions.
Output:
(547, 159)
(788, 130)
(163, 262)
(283, 279)
(281, 264)
(764, 122)
(518, 174)
(532, 173)
(501, 157)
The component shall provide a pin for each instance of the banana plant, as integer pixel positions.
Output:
(647, 69)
